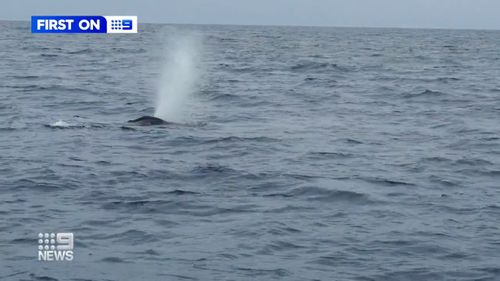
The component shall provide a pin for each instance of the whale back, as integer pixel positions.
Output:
(148, 121)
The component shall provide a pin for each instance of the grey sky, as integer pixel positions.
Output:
(476, 14)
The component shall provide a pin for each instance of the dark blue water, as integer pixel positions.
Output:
(307, 154)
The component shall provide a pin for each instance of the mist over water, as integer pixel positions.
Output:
(179, 77)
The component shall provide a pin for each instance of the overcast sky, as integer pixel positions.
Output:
(475, 14)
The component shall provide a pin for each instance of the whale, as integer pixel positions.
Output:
(148, 121)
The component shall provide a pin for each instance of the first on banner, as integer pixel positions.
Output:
(84, 24)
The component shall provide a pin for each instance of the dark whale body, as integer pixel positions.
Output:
(148, 121)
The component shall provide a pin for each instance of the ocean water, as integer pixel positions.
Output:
(296, 153)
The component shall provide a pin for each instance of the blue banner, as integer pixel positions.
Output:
(68, 24)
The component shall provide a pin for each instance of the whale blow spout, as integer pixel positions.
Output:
(148, 121)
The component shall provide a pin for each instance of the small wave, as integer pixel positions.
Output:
(240, 139)
(41, 185)
(225, 97)
(25, 77)
(48, 48)
(42, 278)
(283, 229)
(253, 272)
(287, 209)
(329, 155)
(83, 51)
(151, 252)
(7, 129)
(30, 86)
(21, 241)
(53, 88)
(128, 50)
(113, 260)
(311, 65)
(301, 176)
(386, 182)
(488, 139)
(60, 123)
(49, 55)
(490, 173)
(473, 162)
(219, 38)
(329, 261)
(353, 141)
(447, 79)
(443, 181)
(241, 69)
(280, 246)
(126, 128)
(424, 94)
(131, 236)
(436, 159)
(212, 169)
(145, 205)
(174, 207)
(182, 192)
(492, 207)
(323, 194)
(64, 125)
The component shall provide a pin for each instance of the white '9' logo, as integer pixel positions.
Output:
(64, 241)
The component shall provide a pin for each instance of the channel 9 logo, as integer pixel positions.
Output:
(84, 24)
(121, 24)
(55, 246)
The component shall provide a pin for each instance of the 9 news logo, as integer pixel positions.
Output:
(55, 246)
(84, 24)
(121, 24)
